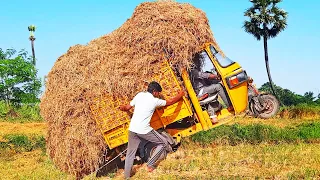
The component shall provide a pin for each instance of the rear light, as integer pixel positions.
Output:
(237, 79)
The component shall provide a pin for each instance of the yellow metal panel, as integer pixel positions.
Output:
(107, 114)
(116, 136)
(239, 98)
(239, 94)
(223, 114)
(178, 134)
(156, 121)
(194, 100)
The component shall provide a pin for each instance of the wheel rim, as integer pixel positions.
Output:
(268, 106)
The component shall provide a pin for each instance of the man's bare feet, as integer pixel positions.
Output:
(214, 119)
(149, 169)
(230, 108)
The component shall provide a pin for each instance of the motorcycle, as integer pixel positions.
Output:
(260, 104)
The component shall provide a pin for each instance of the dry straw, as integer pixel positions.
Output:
(117, 64)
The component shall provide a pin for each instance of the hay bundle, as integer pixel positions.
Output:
(116, 64)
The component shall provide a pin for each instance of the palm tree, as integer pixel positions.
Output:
(266, 21)
(32, 29)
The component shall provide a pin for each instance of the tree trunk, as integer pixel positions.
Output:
(32, 39)
(33, 53)
(266, 58)
(7, 97)
(6, 89)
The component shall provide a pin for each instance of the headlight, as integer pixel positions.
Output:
(237, 79)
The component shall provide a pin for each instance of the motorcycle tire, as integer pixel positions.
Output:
(271, 106)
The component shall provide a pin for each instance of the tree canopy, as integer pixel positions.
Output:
(266, 19)
(18, 77)
(290, 98)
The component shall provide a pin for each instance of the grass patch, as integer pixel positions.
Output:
(20, 113)
(258, 133)
(22, 143)
(275, 122)
(29, 165)
(300, 111)
(20, 120)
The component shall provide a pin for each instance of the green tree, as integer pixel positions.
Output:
(284, 95)
(18, 78)
(289, 98)
(318, 99)
(309, 96)
(266, 21)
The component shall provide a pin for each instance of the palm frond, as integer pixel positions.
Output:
(252, 28)
(265, 19)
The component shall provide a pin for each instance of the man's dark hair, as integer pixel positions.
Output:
(197, 61)
(154, 86)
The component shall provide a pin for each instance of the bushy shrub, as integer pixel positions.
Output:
(301, 111)
(23, 143)
(31, 112)
(20, 112)
(4, 109)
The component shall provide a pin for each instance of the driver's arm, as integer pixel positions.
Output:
(212, 76)
(204, 75)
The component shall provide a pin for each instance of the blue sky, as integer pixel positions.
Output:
(294, 59)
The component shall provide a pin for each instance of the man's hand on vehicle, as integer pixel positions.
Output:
(125, 107)
(175, 99)
(181, 93)
(212, 76)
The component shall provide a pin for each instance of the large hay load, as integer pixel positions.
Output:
(116, 64)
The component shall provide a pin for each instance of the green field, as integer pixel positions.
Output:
(247, 148)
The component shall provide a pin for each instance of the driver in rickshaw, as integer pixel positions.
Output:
(206, 84)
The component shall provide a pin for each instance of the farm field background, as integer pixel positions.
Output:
(208, 155)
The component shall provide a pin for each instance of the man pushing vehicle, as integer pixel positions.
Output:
(144, 104)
